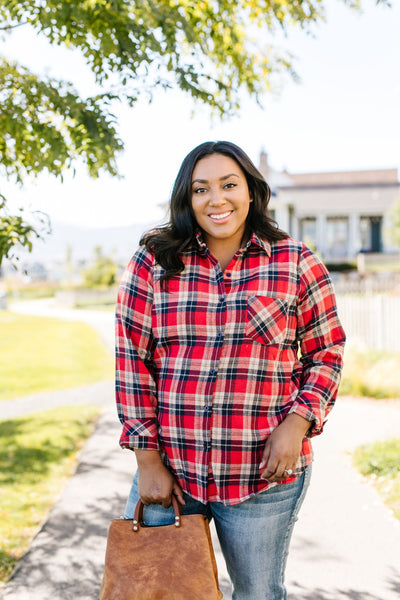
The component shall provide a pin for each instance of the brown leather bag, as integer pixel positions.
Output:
(169, 562)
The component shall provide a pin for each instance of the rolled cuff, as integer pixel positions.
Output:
(316, 423)
(140, 435)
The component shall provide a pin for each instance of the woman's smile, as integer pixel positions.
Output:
(221, 216)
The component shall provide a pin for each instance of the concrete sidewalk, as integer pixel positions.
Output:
(346, 544)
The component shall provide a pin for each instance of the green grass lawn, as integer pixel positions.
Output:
(371, 373)
(39, 354)
(37, 455)
(380, 462)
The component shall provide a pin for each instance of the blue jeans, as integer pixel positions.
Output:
(254, 535)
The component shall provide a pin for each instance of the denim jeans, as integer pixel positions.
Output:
(254, 535)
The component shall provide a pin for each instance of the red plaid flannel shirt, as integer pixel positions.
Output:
(209, 367)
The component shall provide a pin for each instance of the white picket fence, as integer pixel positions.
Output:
(371, 321)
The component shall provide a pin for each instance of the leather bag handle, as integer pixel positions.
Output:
(138, 516)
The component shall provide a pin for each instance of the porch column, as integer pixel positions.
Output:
(282, 216)
(321, 235)
(354, 244)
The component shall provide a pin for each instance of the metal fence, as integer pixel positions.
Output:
(371, 321)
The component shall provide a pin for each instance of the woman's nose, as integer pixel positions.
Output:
(216, 197)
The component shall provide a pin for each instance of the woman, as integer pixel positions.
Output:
(229, 353)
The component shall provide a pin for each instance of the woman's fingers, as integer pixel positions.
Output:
(177, 491)
(265, 456)
(279, 456)
(278, 473)
(270, 470)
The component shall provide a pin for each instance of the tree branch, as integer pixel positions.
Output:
(8, 27)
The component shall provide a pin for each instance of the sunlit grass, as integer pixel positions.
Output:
(39, 354)
(380, 462)
(37, 455)
(371, 373)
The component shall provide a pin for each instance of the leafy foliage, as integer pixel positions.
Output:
(15, 231)
(211, 49)
(45, 125)
(202, 46)
(103, 271)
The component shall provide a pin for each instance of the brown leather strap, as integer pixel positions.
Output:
(138, 516)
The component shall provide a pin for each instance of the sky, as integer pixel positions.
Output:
(343, 115)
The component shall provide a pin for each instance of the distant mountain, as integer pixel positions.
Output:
(120, 242)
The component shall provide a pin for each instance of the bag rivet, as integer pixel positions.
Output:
(135, 528)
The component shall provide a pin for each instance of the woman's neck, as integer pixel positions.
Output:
(223, 250)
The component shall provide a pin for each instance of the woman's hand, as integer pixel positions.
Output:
(156, 483)
(283, 448)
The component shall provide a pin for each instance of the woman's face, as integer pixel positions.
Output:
(220, 199)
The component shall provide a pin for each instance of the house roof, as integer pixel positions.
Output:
(345, 178)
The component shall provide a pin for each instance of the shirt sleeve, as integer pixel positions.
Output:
(321, 339)
(136, 394)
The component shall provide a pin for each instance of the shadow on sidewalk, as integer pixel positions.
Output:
(393, 585)
(65, 560)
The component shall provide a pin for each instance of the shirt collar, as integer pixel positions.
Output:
(263, 244)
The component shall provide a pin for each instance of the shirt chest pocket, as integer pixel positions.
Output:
(267, 320)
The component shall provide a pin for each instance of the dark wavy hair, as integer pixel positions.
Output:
(169, 241)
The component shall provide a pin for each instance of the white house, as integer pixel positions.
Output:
(339, 214)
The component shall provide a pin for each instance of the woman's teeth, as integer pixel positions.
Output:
(222, 216)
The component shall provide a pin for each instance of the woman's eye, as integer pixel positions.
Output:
(230, 185)
(199, 190)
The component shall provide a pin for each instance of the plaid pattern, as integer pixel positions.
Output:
(208, 368)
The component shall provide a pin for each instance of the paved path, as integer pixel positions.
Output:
(97, 393)
(346, 544)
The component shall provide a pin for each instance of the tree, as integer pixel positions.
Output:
(103, 271)
(208, 48)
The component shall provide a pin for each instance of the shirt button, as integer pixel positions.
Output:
(221, 299)
(229, 274)
(213, 371)
(219, 334)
